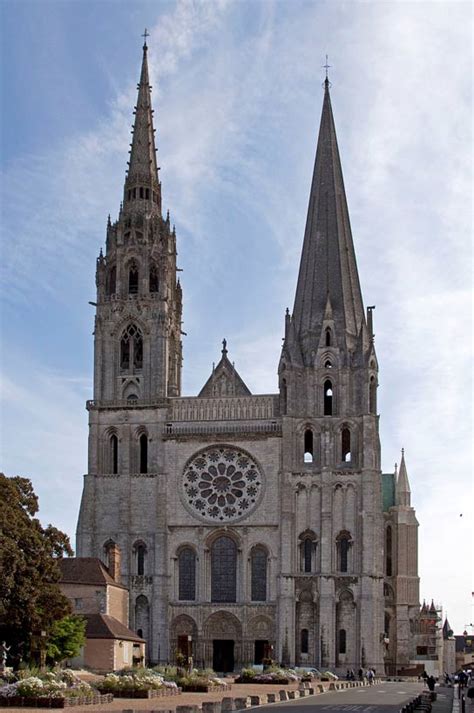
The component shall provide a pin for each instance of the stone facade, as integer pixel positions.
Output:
(254, 524)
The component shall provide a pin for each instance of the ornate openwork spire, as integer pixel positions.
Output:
(328, 263)
(143, 168)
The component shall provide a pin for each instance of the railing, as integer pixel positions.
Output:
(126, 403)
(172, 430)
(226, 408)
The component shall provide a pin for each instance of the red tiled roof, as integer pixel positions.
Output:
(85, 570)
(103, 626)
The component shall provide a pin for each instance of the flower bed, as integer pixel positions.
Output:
(273, 676)
(54, 702)
(140, 683)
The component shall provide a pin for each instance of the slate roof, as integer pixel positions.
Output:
(85, 570)
(388, 491)
(103, 626)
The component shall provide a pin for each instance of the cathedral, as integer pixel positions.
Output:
(246, 526)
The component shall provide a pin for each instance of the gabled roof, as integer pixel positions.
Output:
(85, 570)
(103, 626)
(224, 380)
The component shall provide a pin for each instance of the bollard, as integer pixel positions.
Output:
(332, 686)
(187, 709)
(283, 695)
(211, 707)
(241, 703)
(321, 687)
(227, 704)
(256, 700)
(271, 697)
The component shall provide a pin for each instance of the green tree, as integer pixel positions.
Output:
(66, 638)
(30, 597)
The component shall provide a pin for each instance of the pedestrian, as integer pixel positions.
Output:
(361, 674)
(370, 677)
(430, 681)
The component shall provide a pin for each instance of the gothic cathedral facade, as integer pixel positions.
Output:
(244, 525)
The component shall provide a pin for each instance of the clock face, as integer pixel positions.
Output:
(222, 484)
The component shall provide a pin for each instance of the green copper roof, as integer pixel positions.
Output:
(388, 490)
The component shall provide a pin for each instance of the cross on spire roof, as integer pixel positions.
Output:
(147, 34)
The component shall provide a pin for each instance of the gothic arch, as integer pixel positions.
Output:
(142, 618)
(258, 573)
(139, 551)
(345, 628)
(222, 625)
(261, 627)
(183, 625)
(187, 572)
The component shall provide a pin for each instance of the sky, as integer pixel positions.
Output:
(237, 92)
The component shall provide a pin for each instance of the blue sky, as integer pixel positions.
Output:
(237, 98)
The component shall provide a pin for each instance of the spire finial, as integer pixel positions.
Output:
(224, 346)
(326, 66)
(147, 34)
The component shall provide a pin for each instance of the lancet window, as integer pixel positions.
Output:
(224, 570)
(131, 349)
(259, 574)
(388, 551)
(328, 398)
(346, 445)
(113, 448)
(308, 446)
(143, 446)
(153, 280)
(133, 278)
(187, 575)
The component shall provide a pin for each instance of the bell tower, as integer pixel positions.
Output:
(137, 345)
(331, 504)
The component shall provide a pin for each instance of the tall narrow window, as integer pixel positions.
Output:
(328, 398)
(308, 446)
(373, 395)
(224, 570)
(283, 393)
(259, 574)
(114, 453)
(111, 280)
(304, 641)
(388, 551)
(131, 349)
(187, 575)
(346, 445)
(328, 337)
(153, 278)
(133, 279)
(307, 554)
(343, 552)
(143, 453)
(342, 641)
(140, 555)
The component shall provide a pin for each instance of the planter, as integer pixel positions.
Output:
(44, 702)
(152, 693)
(205, 689)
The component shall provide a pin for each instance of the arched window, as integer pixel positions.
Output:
(140, 552)
(224, 570)
(114, 454)
(131, 349)
(388, 551)
(111, 280)
(133, 278)
(328, 398)
(308, 446)
(327, 364)
(304, 641)
(307, 554)
(343, 544)
(328, 337)
(143, 453)
(342, 641)
(373, 395)
(141, 192)
(142, 617)
(153, 278)
(346, 445)
(187, 575)
(259, 574)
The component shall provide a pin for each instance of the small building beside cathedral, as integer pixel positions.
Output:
(248, 525)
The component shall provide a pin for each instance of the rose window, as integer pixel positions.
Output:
(222, 484)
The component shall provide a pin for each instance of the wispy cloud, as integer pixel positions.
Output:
(237, 97)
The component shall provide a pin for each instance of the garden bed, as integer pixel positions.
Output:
(147, 693)
(202, 688)
(54, 702)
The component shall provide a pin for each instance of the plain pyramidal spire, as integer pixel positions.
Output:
(328, 267)
(143, 167)
(403, 486)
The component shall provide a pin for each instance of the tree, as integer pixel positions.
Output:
(67, 637)
(30, 597)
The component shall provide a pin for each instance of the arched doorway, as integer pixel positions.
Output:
(223, 642)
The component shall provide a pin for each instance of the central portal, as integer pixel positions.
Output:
(223, 655)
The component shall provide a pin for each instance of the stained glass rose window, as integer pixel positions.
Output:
(222, 484)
